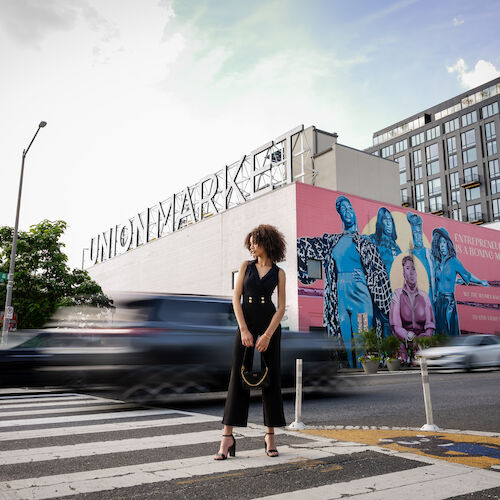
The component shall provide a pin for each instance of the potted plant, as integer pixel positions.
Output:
(390, 346)
(369, 342)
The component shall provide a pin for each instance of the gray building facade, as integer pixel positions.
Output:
(448, 156)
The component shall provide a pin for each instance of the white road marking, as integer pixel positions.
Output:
(76, 409)
(56, 404)
(433, 482)
(86, 418)
(116, 426)
(118, 477)
(12, 402)
(30, 455)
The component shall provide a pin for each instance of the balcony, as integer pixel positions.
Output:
(405, 201)
(470, 181)
(475, 218)
(437, 209)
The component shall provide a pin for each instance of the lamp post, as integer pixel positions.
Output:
(10, 277)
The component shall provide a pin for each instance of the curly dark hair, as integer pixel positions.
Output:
(271, 239)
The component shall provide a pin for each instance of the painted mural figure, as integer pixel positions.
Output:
(385, 237)
(446, 268)
(356, 279)
(423, 254)
(411, 312)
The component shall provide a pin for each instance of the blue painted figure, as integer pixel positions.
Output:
(385, 237)
(355, 276)
(446, 268)
(423, 254)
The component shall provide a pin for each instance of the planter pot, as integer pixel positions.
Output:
(393, 364)
(370, 366)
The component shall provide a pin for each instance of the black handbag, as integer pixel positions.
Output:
(254, 379)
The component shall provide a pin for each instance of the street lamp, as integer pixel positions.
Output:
(10, 278)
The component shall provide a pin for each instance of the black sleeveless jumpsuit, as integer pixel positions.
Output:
(258, 311)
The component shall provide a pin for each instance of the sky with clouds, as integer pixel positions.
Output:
(144, 97)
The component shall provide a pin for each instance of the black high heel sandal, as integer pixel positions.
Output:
(270, 451)
(230, 451)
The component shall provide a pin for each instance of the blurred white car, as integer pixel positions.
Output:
(467, 352)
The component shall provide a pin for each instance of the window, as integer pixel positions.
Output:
(456, 214)
(469, 118)
(474, 212)
(452, 144)
(419, 191)
(402, 169)
(432, 133)
(434, 187)
(471, 174)
(417, 139)
(469, 155)
(417, 157)
(452, 161)
(491, 148)
(496, 209)
(490, 110)
(495, 186)
(490, 131)
(451, 126)
(435, 203)
(433, 167)
(421, 206)
(472, 194)
(418, 173)
(401, 146)
(404, 195)
(431, 152)
(468, 139)
(455, 197)
(375, 153)
(454, 181)
(388, 151)
(314, 269)
(494, 169)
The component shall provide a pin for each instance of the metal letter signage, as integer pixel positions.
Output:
(259, 172)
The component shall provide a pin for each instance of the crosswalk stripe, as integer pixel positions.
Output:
(81, 418)
(136, 475)
(30, 455)
(56, 404)
(10, 402)
(102, 428)
(77, 409)
(432, 482)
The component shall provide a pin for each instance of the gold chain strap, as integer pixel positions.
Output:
(257, 383)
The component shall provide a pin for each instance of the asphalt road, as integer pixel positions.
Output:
(463, 401)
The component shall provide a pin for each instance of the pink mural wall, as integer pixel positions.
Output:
(463, 253)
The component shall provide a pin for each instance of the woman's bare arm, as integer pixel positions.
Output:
(263, 341)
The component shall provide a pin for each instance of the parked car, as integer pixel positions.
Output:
(466, 352)
(153, 346)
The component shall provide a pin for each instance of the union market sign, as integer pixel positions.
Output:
(259, 172)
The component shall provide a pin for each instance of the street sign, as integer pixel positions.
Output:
(3, 276)
(9, 312)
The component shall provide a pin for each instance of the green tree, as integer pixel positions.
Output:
(42, 279)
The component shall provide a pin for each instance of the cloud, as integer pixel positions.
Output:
(29, 22)
(457, 21)
(483, 72)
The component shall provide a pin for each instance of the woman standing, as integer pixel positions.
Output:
(446, 268)
(259, 325)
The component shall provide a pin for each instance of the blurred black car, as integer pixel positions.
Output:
(153, 346)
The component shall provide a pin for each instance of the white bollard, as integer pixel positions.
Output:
(298, 424)
(429, 426)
